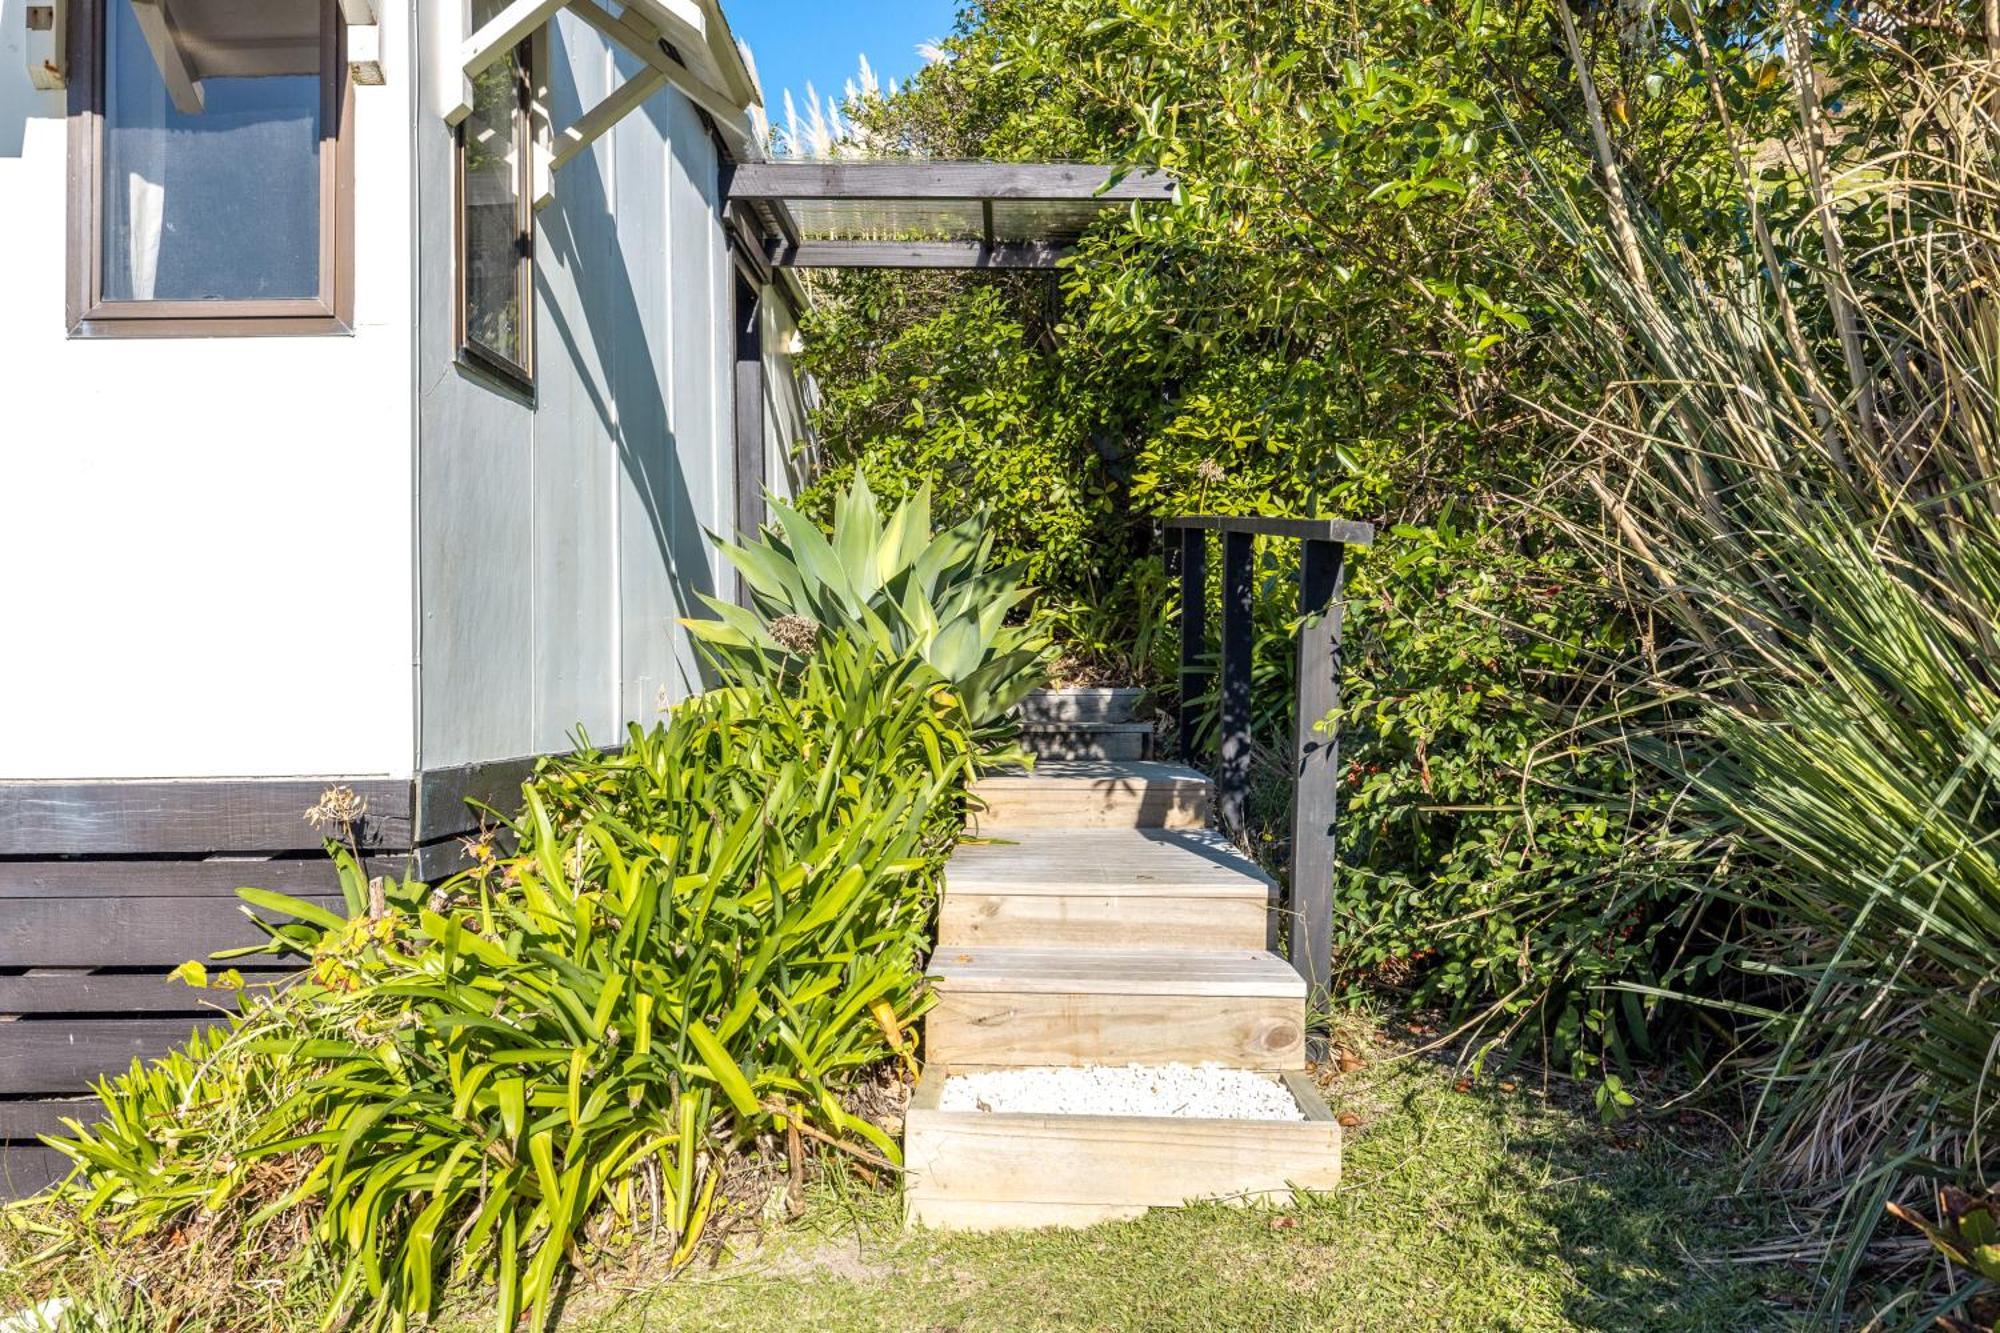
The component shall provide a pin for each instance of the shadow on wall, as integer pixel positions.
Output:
(19, 100)
(615, 324)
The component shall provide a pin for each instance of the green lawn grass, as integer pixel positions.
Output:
(1461, 1209)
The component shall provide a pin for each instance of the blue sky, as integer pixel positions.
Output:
(822, 40)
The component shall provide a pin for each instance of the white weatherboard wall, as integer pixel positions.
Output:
(562, 539)
(205, 544)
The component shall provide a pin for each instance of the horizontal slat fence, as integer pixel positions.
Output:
(107, 886)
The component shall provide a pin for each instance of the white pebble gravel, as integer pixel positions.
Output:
(1202, 1092)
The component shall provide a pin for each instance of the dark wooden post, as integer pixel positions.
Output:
(1316, 767)
(749, 424)
(1233, 773)
(1194, 630)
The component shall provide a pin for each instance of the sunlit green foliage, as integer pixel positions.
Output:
(889, 582)
(1338, 317)
(698, 938)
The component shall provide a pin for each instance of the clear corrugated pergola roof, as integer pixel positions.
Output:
(913, 219)
(922, 213)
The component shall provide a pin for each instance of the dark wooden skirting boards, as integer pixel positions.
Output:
(65, 1054)
(107, 886)
(448, 800)
(158, 932)
(452, 806)
(192, 816)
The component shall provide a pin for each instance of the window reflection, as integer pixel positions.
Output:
(211, 152)
(495, 240)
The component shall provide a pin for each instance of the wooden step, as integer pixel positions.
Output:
(1117, 704)
(1093, 794)
(998, 1006)
(978, 1170)
(1115, 741)
(1105, 889)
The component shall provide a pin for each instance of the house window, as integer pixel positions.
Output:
(496, 226)
(212, 183)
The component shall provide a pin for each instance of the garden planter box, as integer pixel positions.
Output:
(987, 1170)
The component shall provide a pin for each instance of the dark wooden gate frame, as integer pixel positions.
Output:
(1315, 755)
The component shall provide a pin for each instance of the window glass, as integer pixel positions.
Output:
(495, 236)
(211, 156)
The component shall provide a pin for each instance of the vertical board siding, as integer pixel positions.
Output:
(575, 611)
(563, 535)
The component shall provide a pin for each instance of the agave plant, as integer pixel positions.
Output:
(892, 582)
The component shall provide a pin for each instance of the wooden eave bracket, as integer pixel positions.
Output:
(47, 45)
(364, 42)
(672, 38)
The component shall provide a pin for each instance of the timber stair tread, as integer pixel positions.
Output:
(1109, 862)
(1092, 793)
(1248, 973)
(1079, 775)
(1096, 919)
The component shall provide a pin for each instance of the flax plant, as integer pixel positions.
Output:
(1796, 459)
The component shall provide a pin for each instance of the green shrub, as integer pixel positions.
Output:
(700, 938)
(1492, 864)
(946, 389)
(891, 582)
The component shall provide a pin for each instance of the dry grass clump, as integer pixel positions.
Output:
(1797, 454)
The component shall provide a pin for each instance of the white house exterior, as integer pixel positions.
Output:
(274, 514)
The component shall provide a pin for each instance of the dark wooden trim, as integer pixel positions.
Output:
(444, 795)
(139, 994)
(918, 179)
(916, 254)
(747, 405)
(519, 377)
(1316, 768)
(130, 932)
(45, 819)
(33, 1118)
(1193, 562)
(1238, 614)
(1309, 529)
(142, 877)
(90, 316)
(743, 228)
(61, 1055)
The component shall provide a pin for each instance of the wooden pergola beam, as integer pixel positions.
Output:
(916, 254)
(961, 181)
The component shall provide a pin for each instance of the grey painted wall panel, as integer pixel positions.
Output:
(655, 510)
(576, 659)
(563, 539)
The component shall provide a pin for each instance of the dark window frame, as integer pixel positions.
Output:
(90, 316)
(475, 356)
